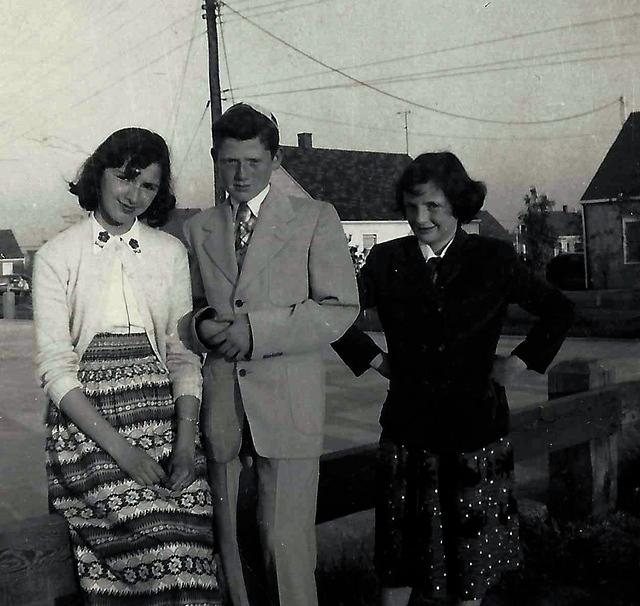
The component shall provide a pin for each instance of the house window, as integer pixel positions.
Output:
(631, 240)
(368, 241)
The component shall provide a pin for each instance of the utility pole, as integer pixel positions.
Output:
(211, 8)
(406, 112)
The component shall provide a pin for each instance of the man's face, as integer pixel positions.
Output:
(245, 167)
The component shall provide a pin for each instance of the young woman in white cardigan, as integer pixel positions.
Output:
(124, 463)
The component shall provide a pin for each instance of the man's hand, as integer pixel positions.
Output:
(208, 329)
(506, 369)
(234, 342)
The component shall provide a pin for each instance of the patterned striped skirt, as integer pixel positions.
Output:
(446, 524)
(133, 544)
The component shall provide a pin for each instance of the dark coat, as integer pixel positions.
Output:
(442, 337)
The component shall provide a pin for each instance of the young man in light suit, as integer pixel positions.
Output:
(278, 285)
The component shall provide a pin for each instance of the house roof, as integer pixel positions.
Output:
(9, 248)
(360, 184)
(619, 173)
(565, 223)
(490, 227)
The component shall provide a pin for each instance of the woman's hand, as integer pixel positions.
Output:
(182, 471)
(506, 369)
(381, 364)
(139, 466)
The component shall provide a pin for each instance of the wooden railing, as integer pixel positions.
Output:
(578, 431)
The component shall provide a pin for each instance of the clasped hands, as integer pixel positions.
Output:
(230, 336)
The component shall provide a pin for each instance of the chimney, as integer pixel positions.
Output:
(305, 141)
(565, 208)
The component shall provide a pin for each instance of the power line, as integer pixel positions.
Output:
(103, 89)
(420, 105)
(26, 82)
(226, 58)
(457, 71)
(193, 138)
(450, 48)
(47, 94)
(178, 98)
(432, 134)
(284, 9)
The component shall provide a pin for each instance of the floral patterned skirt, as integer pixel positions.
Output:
(446, 524)
(133, 544)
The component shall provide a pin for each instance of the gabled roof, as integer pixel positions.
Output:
(490, 227)
(619, 173)
(565, 223)
(9, 248)
(360, 184)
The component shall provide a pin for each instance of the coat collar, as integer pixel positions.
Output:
(450, 266)
(272, 230)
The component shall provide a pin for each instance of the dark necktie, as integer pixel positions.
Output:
(245, 222)
(432, 269)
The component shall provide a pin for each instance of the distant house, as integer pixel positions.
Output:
(361, 186)
(611, 211)
(567, 228)
(11, 256)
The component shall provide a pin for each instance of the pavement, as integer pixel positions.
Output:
(353, 407)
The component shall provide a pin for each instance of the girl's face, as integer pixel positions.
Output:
(125, 194)
(430, 215)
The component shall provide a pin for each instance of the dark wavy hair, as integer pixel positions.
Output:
(465, 195)
(242, 122)
(134, 149)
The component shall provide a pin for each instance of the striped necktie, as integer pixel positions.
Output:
(245, 222)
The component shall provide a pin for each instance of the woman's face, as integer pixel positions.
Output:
(125, 194)
(430, 215)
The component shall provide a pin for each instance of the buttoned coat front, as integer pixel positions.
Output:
(442, 337)
(297, 286)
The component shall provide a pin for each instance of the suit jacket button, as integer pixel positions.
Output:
(242, 372)
(239, 302)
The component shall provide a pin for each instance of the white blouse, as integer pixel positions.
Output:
(120, 311)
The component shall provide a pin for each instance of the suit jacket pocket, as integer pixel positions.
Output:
(307, 394)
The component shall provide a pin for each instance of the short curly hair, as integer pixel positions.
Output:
(131, 148)
(243, 122)
(465, 195)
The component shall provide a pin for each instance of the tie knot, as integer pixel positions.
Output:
(244, 213)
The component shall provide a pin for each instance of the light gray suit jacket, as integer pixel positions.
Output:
(298, 288)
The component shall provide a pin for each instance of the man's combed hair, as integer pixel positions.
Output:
(242, 122)
(465, 195)
(130, 149)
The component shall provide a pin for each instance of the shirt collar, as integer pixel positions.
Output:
(254, 204)
(131, 237)
(428, 253)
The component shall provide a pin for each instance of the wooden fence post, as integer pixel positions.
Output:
(583, 479)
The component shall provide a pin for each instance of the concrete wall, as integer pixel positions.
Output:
(603, 222)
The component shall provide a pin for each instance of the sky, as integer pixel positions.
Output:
(525, 93)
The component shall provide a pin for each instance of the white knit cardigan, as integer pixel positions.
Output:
(69, 283)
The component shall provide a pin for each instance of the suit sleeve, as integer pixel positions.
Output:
(554, 311)
(332, 303)
(356, 348)
(199, 309)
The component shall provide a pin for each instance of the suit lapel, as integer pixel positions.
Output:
(271, 232)
(219, 244)
(451, 262)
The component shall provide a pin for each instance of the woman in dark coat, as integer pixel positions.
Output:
(446, 519)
